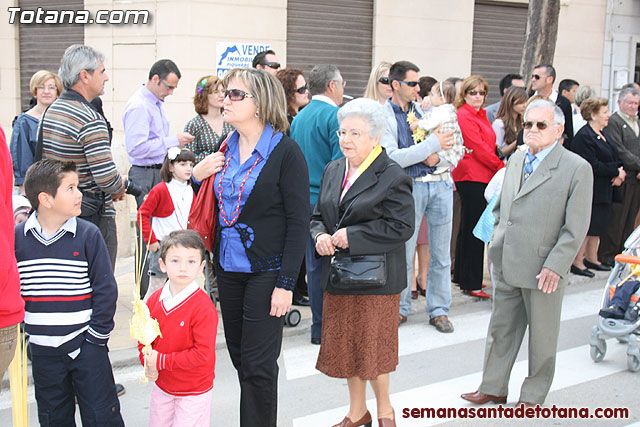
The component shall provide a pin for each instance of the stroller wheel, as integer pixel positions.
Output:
(598, 351)
(633, 363)
(292, 318)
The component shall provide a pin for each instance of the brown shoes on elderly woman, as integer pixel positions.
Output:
(364, 421)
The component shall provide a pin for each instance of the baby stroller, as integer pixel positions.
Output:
(627, 268)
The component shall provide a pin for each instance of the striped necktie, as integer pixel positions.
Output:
(528, 167)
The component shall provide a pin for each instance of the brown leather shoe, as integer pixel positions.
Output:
(526, 404)
(480, 398)
(402, 320)
(442, 324)
(387, 422)
(364, 421)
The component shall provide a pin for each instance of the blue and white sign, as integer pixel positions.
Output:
(236, 55)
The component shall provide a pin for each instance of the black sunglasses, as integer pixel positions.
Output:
(410, 84)
(384, 80)
(540, 125)
(536, 77)
(302, 90)
(274, 65)
(237, 94)
(474, 92)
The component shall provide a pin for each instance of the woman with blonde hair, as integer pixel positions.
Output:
(208, 126)
(261, 190)
(471, 176)
(46, 87)
(378, 86)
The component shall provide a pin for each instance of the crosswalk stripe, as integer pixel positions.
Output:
(300, 362)
(574, 366)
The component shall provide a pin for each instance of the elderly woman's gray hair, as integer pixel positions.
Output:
(558, 115)
(582, 93)
(76, 58)
(370, 111)
(320, 77)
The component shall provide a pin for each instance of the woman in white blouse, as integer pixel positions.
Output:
(508, 121)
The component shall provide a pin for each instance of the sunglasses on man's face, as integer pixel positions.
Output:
(302, 90)
(528, 125)
(237, 94)
(536, 77)
(410, 84)
(477, 92)
(384, 80)
(274, 65)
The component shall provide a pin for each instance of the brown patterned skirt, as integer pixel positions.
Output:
(359, 335)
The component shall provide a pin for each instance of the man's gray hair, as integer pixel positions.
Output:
(76, 58)
(582, 93)
(370, 111)
(628, 89)
(558, 115)
(320, 77)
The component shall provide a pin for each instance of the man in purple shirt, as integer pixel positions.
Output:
(146, 130)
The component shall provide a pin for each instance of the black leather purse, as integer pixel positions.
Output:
(357, 272)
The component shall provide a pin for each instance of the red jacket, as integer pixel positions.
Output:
(187, 358)
(482, 163)
(158, 203)
(11, 303)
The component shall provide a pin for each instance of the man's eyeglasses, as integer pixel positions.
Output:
(410, 84)
(237, 94)
(344, 83)
(477, 92)
(528, 125)
(274, 65)
(167, 86)
(384, 80)
(302, 90)
(536, 77)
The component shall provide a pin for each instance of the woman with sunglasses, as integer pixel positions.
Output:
(595, 146)
(508, 122)
(295, 89)
(262, 197)
(378, 87)
(46, 87)
(208, 128)
(471, 176)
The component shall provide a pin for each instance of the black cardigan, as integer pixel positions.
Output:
(277, 211)
(603, 158)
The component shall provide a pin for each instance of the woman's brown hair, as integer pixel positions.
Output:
(468, 84)
(205, 86)
(288, 77)
(512, 121)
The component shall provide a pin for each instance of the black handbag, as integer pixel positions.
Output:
(357, 272)
(92, 204)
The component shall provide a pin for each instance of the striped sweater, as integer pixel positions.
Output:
(68, 287)
(73, 131)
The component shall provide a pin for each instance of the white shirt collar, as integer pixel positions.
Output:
(32, 222)
(553, 96)
(324, 98)
(171, 301)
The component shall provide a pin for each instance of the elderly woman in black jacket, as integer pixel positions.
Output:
(365, 207)
(600, 151)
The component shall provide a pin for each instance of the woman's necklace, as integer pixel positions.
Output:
(236, 211)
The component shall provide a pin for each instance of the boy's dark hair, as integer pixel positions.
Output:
(426, 83)
(185, 238)
(567, 84)
(44, 176)
(398, 71)
(507, 81)
(259, 58)
(163, 68)
(184, 156)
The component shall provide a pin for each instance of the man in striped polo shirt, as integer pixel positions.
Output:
(72, 130)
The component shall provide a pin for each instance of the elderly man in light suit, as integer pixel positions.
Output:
(541, 218)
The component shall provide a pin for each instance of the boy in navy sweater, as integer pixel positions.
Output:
(70, 298)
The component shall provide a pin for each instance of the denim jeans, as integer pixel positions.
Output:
(435, 200)
(314, 285)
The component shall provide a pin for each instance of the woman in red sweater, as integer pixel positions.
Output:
(471, 176)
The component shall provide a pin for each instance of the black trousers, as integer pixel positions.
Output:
(254, 339)
(621, 221)
(58, 379)
(468, 270)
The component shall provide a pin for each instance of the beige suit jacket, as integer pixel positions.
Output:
(542, 222)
